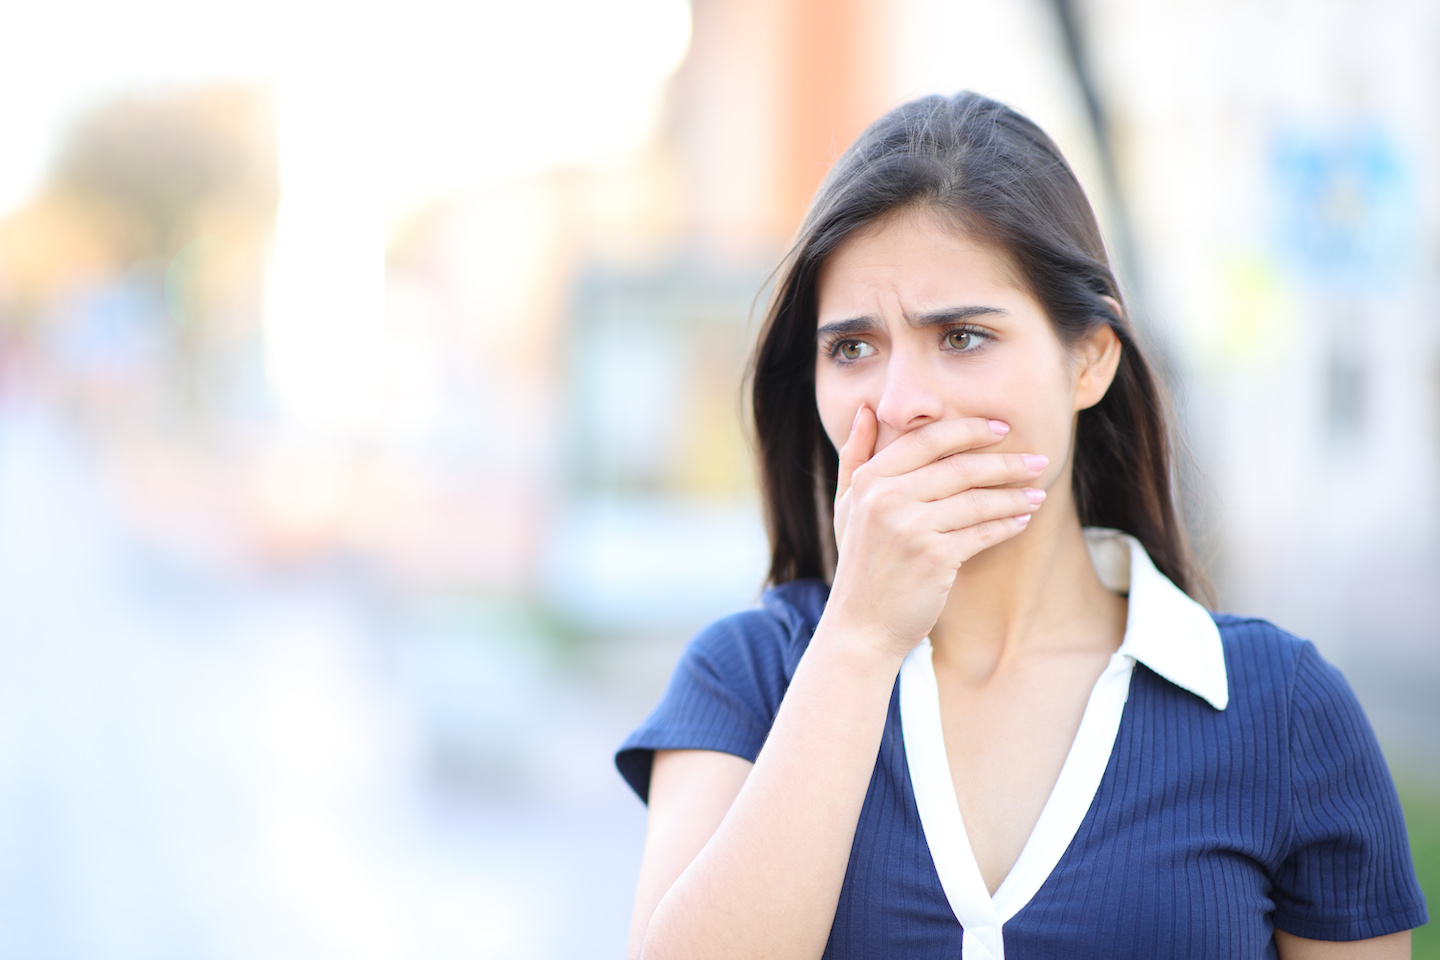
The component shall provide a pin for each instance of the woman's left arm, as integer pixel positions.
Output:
(1394, 946)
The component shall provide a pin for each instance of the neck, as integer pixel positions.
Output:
(1036, 593)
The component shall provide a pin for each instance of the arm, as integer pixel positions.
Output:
(750, 862)
(1347, 876)
(1395, 946)
(690, 792)
(769, 878)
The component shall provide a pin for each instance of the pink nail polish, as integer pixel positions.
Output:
(856, 422)
(1035, 461)
(999, 427)
(1022, 520)
(1036, 497)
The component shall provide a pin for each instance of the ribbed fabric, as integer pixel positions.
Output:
(1209, 829)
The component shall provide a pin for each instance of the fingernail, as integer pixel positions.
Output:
(856, 422)
(1036, 497)
(1021, 520)
(1035, 461)
(999, 427)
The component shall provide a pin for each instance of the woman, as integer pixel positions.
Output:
(988, 719)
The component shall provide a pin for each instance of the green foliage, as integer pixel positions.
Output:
(1422, 817)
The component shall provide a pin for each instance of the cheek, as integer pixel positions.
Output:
(1038, 409)
(836, 400)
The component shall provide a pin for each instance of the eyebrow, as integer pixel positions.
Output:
(930, 318)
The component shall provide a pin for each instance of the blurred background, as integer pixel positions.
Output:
(370, 424)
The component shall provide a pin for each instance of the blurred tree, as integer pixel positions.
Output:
(136, 270)
(161, 163)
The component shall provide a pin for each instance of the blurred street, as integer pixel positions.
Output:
(373, 429)
(195, 768)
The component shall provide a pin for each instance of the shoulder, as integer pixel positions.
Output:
(1256, 634)
(1282, 684)
(769, 639)
(1264, 660)
(796, 608)
(728, 685)
(1340, 865)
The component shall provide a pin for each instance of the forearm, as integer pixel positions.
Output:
(768, 881)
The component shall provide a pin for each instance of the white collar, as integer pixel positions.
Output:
(1165, 630)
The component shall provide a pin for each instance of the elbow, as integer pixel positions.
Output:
(658, 941)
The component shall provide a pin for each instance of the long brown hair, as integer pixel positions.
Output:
(1000, 179)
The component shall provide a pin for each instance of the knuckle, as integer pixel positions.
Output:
(977, 431)
(996, 529)
(983, 501)
(963, 467)
(907, 525)
(989, 532)
(1005, 502)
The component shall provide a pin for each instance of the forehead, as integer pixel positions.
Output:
(918, 259)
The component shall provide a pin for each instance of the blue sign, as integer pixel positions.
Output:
(1347, 211)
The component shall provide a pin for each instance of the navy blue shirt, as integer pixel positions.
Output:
(1208, 829)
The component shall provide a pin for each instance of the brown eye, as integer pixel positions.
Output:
(848, 351)
(965, 339)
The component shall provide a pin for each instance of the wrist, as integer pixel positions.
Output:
(863, 648)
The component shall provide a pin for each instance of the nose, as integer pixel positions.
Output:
(911, 397)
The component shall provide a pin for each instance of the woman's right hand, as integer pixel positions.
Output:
(908, 516)
(748, 861)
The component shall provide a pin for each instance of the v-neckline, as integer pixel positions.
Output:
(981, 915)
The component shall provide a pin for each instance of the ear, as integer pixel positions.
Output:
(1099, 356)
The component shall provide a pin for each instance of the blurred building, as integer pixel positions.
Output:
(1279, 163)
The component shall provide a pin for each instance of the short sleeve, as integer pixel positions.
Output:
(728, 685)
(1347, 872)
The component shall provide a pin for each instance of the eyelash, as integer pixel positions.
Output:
(832, 346)
(974, 332)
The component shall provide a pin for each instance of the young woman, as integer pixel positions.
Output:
(987, 719)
